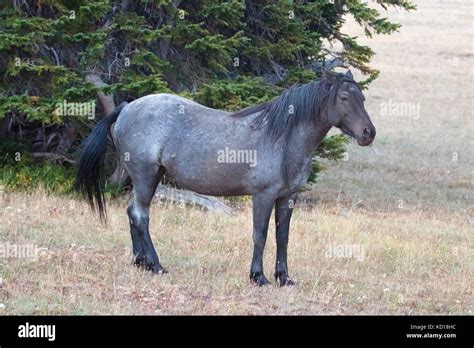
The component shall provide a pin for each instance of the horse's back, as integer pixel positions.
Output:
(163, 104)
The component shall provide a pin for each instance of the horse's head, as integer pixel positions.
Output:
(348, 112)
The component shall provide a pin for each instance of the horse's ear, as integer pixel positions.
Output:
(329, 76)
(349, 74)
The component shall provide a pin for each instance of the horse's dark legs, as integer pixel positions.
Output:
(138, 253)
(138, 212)
(262, 209)
(283, 210)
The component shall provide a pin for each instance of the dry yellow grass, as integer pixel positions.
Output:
(407, 202)
(413, 262)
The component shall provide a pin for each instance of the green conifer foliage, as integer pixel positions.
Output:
(225, 54)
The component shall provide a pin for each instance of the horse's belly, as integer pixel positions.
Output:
(213, 190)
(211, 178)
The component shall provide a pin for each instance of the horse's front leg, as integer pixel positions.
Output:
(283, 210)
(262, 209)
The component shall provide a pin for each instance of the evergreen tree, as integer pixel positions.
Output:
(224, 54)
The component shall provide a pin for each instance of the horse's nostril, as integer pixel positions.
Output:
(367, 132)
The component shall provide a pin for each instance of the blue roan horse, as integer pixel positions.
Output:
(165, 133)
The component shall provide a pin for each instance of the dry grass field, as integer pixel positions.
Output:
(406, 204)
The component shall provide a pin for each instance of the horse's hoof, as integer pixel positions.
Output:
(283, 280)
(159, 270)
(258, 279)
(288, 282)
(138, 262)
(156, 269)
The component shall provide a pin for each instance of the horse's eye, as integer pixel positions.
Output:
(343, 98)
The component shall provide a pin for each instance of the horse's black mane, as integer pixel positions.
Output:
(296, 105)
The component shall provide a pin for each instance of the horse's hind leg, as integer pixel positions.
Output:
(138, 253)
(138, 211)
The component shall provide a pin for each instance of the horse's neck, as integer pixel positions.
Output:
(310, 136)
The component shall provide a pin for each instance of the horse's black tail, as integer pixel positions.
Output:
(91, 162)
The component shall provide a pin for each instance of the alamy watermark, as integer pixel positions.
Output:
(228, 155)
(396, 108)
(28, 330)
(356, 251)
(19, 251)
(86, 109)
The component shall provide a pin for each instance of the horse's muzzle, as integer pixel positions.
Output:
(368, 136)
